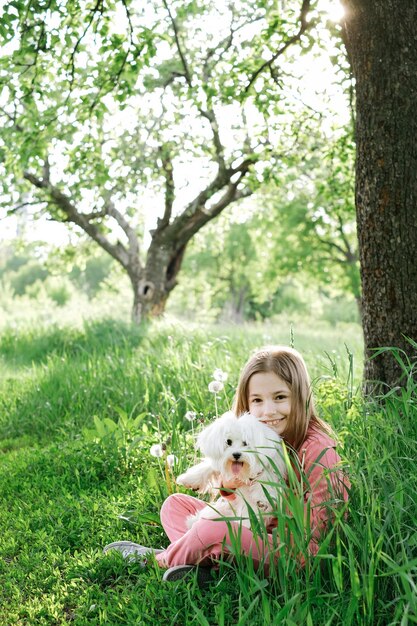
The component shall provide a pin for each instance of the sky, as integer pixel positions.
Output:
(314, 72)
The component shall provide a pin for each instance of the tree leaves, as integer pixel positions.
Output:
(99, 91)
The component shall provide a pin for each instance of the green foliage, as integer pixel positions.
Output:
(26, 276)
(340, 309)
(43, 272)
(96, 95)
(108, 107)
(225, 275)
(238, 271)
(270, 255)
(313, 221)
(70, 70)
(90, 271)
(14, 259)
(59, 290)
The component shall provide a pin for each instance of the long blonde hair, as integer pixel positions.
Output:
(289, 365)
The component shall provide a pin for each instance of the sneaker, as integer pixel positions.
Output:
(178, 572)
(131, 551)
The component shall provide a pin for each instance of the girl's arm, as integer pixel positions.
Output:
(200, 477)
(326, 487)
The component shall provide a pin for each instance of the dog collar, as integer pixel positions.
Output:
(227, 493)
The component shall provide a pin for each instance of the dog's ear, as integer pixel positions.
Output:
(251, 429)
(258, 434)
(211, 440)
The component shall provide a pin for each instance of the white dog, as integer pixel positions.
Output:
(241, 448)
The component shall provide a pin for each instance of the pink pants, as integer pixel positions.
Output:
(207, 540)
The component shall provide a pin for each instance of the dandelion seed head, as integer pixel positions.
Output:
(215, 386)
(220, 375)
(171, 460)
(190, 416)
(157, 450)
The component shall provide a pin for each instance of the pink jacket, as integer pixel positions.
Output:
(325, 484)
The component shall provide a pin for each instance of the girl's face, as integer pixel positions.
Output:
(269, 399)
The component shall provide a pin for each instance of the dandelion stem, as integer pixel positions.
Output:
(168, 478)
(195, 450)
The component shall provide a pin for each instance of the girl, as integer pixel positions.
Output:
(274, 386)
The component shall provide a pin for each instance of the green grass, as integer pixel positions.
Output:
(80, 408)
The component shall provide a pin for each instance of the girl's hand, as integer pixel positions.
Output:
(233, 483)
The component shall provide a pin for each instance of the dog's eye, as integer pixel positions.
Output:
(244, 444)
(229, 442)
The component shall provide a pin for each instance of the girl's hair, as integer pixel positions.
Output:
(289, 365)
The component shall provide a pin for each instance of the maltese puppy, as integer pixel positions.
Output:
(237, 448)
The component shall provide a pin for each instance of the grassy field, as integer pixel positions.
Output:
(80, 407)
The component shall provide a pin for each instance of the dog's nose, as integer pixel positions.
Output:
(236, 455)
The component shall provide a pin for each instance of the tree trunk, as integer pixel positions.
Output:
(147, 302)
(382, 46)
(153, 283)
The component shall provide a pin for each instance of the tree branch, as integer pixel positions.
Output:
(12, 119)
(303, 27)
(334, 246)
(97, 7)
(231, 195)
(196, 214)
(209, 114)
(63, 202)
(169, 187)
(184, 63)
(218, 146)
(226, 43)
(134, 247)
(333, 259)
(223, 46)
(351, 256)
(22, 205)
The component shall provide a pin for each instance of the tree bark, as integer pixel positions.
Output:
(381, 41)
(153, 284)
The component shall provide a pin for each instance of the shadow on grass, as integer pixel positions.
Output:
(77, 373)
(22, 349)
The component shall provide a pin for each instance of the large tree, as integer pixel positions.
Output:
(382, 46)
(107, 107)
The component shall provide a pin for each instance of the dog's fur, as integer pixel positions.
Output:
(241, 448)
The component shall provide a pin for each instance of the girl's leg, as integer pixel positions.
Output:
(207, 540)
(174, 513)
